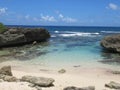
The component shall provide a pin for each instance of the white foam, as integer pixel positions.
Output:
(56, 31)
(71, 34)
(53, 36)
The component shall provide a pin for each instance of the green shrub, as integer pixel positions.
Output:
(2, 27)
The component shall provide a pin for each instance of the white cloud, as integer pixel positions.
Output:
(113, 6)
(3, 10)
(48, 18)
(67, 19)
(61, 16)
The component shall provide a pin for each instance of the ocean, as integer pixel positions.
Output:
(69, 46)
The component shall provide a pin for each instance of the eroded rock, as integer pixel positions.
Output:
(20, 36)
(113, 85)
(40, 81)
(111, 43)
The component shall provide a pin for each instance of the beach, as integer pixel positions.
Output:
(79, 77)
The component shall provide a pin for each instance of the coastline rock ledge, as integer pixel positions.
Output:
(111, 43)
(21, 36)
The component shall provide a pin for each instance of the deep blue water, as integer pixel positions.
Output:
(72, 45)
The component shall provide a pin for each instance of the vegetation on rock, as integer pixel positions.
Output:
(2, 27)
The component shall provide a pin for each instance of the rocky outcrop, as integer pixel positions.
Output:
(76, 88)
(111, 43)
(113, 85)
(19, 36)
(40, 81)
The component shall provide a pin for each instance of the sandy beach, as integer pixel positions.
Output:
(79, 77)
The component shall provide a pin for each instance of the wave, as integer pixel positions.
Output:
(56, 31)
(110, 31)
(53, 35)
(79, 34)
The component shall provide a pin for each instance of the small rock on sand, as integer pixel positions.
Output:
(62, 71)
(40, 81)
(113, 85)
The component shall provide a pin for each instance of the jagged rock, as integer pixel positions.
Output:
(6, 70)
(19, 36)
(111, 43)
(76, 88)
(62, 71)
(113, 85)
(41, 81)
(10, 78)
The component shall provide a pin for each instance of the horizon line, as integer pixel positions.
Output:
(63, 25)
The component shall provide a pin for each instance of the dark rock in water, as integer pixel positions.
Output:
(40, 81)
(6, 70)
(111, 43)
(76, 88)
(113, 60)
(113, 85)
(19, 36)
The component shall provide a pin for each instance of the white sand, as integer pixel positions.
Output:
(79, 77)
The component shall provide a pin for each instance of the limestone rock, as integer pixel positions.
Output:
(20, 36)
(40, 81)
(111, 43)
(113, 85)
(62, 71)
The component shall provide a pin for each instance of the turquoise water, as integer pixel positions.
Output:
(68, 46)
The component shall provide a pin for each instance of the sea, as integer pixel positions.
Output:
(69, 46)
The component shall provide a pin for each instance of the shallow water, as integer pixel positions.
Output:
(68, 46)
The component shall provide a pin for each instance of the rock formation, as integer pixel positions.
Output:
(111, 43)
(40, 81)
(113, 85)
(20, 36)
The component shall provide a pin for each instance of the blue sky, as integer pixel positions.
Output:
(60, 12)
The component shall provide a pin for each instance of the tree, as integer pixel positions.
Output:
(2, 27)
